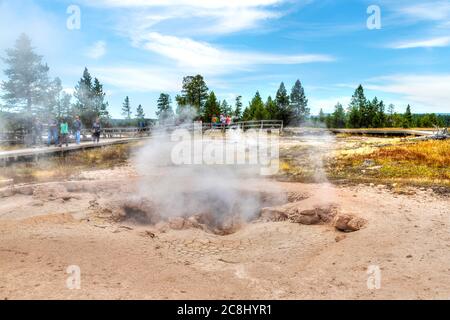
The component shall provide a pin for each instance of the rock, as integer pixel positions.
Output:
(349, 223)
(296, 196)
(313, 216)
(273, 214)
(326, 214)
(6, 193)
(176, 223)
(26, 190)
(340, 237)
(148, 233)
(307, 217)
(356, 224)
(140, 211)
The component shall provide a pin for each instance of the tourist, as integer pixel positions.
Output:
(52, 133)
(37, 131)
(228, 121)
(96, 130)
(214, 121)
(77, 128)
(223, 121)
(64, 132)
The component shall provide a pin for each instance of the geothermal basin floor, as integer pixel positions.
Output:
(46, 228)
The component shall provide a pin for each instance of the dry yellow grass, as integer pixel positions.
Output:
(423, 162)
(435, 153)
(63, 167)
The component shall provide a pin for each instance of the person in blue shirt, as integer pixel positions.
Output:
(77, 128)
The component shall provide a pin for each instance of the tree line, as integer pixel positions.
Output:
(292, 109)
(29, 93)
(366, 113)
(200, 103)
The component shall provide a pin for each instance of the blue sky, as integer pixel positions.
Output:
(140, 48)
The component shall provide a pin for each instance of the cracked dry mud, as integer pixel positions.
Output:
(45, 228)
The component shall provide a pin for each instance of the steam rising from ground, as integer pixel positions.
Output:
(315, 145)
(1, 123)
(186, 190)
(320, 145)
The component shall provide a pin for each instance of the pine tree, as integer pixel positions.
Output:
(321, 116)
(358, 109)
(390, 116)
(165, 111)
(246, 116)
(211, 108)
(64, 106)
(194, 93)
(225, 108)
(338, 117)
(381, 115)
(407, 118)
(99, 105)
(126, 108)
(140, 115)
(354, 117)
(257, 110)
(282, 102)
(238, 109)
(272, 109)
(26, 87)
(373, 120)
(299, 103)
(329, 120)
(84, 94)
(53, 103)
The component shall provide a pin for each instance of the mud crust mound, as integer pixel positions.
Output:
(307, 213)
(140, 211)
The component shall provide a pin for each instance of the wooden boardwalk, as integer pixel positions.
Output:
(125, 135)
(388, 132)
(44, 151)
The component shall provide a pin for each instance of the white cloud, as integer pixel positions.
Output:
(231, 20)
(430, 10)
(97, 51)
(429, 93)
(428, 43)
(204, 57)
(139, 79)
(208, 4)
(196, 16)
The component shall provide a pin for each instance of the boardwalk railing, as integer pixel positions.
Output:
(243, 125)
(16, 136)
(22, 136)
(246, 125)
(114, 133)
